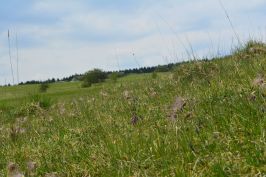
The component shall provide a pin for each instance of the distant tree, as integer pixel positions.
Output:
(162, 68)
(94, 76)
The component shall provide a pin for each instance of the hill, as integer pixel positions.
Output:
(203, 118)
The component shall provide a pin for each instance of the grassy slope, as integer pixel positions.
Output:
(220, 132)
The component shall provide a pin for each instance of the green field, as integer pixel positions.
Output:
(133, 128)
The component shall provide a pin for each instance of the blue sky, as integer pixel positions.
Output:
(58, 38)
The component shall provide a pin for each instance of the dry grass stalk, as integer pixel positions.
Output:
(13, 170)
(178, 105)
(103, 94)
(127, 94)
(53, 174)
(16, 130)
(134, 119)
(259, 81)
(257, 50)
(31, 167)
(252, 96)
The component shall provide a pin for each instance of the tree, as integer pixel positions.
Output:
(94, 76)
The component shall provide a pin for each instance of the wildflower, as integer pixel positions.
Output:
(13, 170)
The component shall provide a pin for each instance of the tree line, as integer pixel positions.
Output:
(79, 77)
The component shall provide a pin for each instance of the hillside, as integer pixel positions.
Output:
(204, 118)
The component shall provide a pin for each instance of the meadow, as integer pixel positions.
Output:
(204, 118)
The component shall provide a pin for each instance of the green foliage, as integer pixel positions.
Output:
(162, 68)
(44, 87)
(4, 106)
(114, 76)
(250, 49)
(35, 104)
(42, 100)
(92, 77)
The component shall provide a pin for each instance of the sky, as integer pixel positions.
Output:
(58, 38)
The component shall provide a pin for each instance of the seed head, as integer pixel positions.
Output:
(53, 174)
(178, 105)
(13, 170)
(126, 94)
(31, 166)
(259, 81)
(134, 120)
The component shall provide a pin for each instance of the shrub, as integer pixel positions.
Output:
(44, 87)
(114, 76)
(94, 76)
(43, 101)
(34, 104)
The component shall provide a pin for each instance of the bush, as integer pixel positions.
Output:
(34, 104)
(44, 87)
(42, 100)
(94, 76)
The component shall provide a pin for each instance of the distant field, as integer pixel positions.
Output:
(205, 118)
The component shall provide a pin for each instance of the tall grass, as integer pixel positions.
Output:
(10, 58)
(123, 128)
(17, 58)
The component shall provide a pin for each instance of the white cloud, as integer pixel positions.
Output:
(83, 38)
